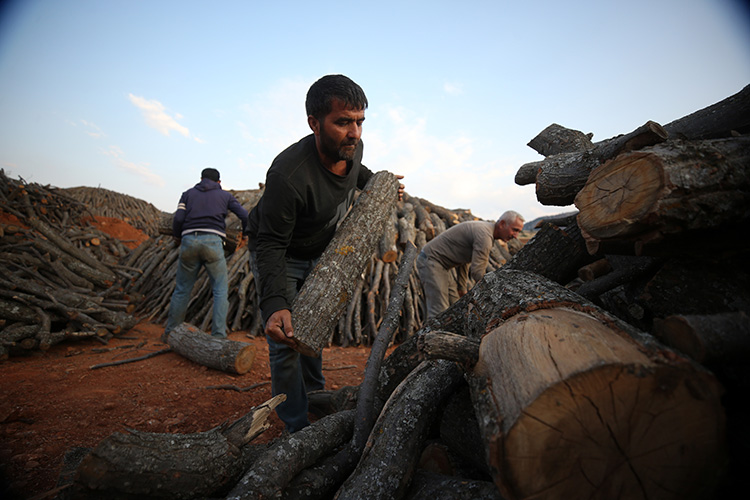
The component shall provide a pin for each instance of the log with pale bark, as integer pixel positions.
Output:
(328, 288)
(675, 190)
(229, 356)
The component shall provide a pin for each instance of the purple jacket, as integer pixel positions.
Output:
(204, 208)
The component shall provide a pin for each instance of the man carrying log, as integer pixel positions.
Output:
(309, 188)
(199, 225)
(446, 262)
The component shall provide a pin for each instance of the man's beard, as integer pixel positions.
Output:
(338, 152)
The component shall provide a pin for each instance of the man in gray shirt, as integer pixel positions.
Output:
(465, 247)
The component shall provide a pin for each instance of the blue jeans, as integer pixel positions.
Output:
(292, 373)
(196, 250)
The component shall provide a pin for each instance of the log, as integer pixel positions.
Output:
(328, 288)
(560, 177)
(723, 119)
(226, 355)
(673, 189)
(708, 339)
(556, 139)
(594, 270)
(391, 454)
(554, 253)
(447, 345)
(141, 464)
(271, 472)
(573, 403)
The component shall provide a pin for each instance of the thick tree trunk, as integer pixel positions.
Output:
(147, 465)
(323, 297)
(574, 403)
(664, 191)
(220, 354)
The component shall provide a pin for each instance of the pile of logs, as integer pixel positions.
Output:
(57, 272)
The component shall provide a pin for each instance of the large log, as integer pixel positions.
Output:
(708, 339)
(561, 176)
(221, 354)
(149, 465)
(574, 403)
(723, 119)
(329, 287)
(672, 189)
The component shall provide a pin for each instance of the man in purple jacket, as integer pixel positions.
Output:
(200, 227)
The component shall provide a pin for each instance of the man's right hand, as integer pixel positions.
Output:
(279, 327)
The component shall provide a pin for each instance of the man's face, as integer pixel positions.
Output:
(507, 232)
(339, 132)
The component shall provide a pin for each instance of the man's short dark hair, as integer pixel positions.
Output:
(210, 173)
(318, 102)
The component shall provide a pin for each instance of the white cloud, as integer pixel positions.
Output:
(156, 116)
(93, 130)
(139, 169)
(453, 88)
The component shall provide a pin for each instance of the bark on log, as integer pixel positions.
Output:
(708, 339)
(556, 139)
(447, 345)
(723, 119)
(673, 189)
(575, 403)
(554, 253)
(220, 354)
(389, 460)
(323, 297)
(148, 465)
(270, 474)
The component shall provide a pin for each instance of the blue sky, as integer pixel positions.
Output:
(139, 96)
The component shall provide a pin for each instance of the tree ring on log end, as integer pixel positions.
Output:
(619, 195)
(586, 414)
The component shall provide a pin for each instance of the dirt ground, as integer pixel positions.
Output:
(55, 400)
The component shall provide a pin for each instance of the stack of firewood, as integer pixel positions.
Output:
(412, 219)
(57, 272)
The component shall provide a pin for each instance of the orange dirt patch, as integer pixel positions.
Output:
(120, 229)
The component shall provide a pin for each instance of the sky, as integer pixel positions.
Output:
(139, 96)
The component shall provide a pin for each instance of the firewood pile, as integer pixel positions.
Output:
(412, 219)
(58, 272)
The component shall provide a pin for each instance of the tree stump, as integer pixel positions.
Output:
(220, 354)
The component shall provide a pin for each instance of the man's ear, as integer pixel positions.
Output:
(314, 124)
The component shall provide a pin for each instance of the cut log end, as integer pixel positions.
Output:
(605, 214)
(588, 415)
(244, 360)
